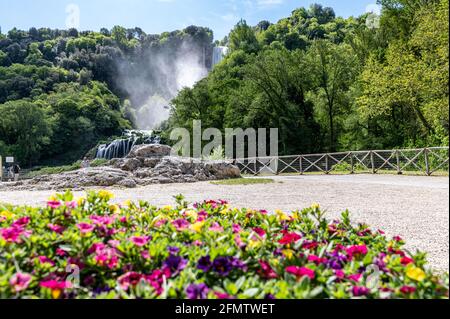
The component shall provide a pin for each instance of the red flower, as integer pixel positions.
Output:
(300, 272)
(406, 261)
(289, 238)
(317, 260)
(266, 271)
(259, 231)
(310, 245)
(408, 290)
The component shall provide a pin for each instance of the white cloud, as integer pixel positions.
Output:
(268, 3)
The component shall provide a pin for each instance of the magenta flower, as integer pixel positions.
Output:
(317, 260)
(236, 228)
(45, 260)
(360, 291)
(300, 272)
(355, 277)
(181, 224)
(266, 271)
(130, 279)
(54, 204)
(20, 281)
(340, 274)
(13, 234)
(72, 204)
(85, 228)
(408, 290)
(261, 232)
(56, 228)
(21, 222)
(356, 251)
(101, 220)
(140, 241)
(107, 257)
(55, 285)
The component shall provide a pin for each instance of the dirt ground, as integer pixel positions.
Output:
(414, 207)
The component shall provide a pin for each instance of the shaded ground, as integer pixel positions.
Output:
(413, 207)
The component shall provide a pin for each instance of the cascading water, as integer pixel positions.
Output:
(122, 147)
(219, 54)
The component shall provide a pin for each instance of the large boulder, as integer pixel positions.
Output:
(149, 150)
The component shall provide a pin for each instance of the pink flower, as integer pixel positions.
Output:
(238, 241)
(216, 228)
(398, 238)
(96, 247)
(261, 232)
(21, 222)
(202, 214)
(145, 254)
(20, 281)
(56, 228)
(355, 277)
(140, 241)
(123, 219)
(266, 271)
(107, 257)
(130, 279)
(339, 274)
(85, 228)
(356, 251)
(263, 211)
(236, 228)
(53, 204)
(60, 252)
(300, 272)
(156, 279)
(13, 234)
(113, 243)
(45, 260)
(181, 224)
(101, 220)
(55, 285)
(72, 204)
(160, 222)
(223, 296)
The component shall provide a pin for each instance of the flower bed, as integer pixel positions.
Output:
(90, 248)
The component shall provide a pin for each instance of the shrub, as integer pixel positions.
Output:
(90, 248)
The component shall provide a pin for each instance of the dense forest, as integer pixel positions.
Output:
(333, 84)
(326, 82)
(61, 92)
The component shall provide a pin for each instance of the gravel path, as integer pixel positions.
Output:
(413, 207)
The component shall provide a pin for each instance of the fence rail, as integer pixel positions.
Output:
(425, 161)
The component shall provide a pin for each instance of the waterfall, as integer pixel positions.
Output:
(121, 147)
(218, 54)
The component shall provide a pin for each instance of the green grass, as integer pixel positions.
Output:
(244, 181)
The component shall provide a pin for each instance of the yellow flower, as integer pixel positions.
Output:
(274, 261)
(52, 198)
(281, 215)
(167, 207)
(315, 206)
(224, 211)
(128, 203)
(416, 273)
(7, 214)
(80, 200)
(289, 253)
(115, 209)
(56, 293)
(105, 195)
(197, 227)
(254, 244)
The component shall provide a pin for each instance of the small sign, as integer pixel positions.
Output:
(9, 159)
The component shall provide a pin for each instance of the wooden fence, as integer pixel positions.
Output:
(426, 161)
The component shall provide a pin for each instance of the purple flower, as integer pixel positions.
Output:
(175, 264)
(237, 263)
(204, 263)
(222, 266)
(173, 250)
(336, 261)
(199, 291)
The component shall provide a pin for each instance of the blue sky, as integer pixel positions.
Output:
(156, 16)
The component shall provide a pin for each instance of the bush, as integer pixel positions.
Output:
(90, 248)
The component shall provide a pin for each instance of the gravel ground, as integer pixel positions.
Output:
(414, 207)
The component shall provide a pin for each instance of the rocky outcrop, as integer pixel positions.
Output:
(146, 164)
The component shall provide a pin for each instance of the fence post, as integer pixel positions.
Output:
(327, 171)
(301, 165)
(352, 163)
(256, 167)
(277, 165)
(372, 161)
(427, 163)
(397, 156)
